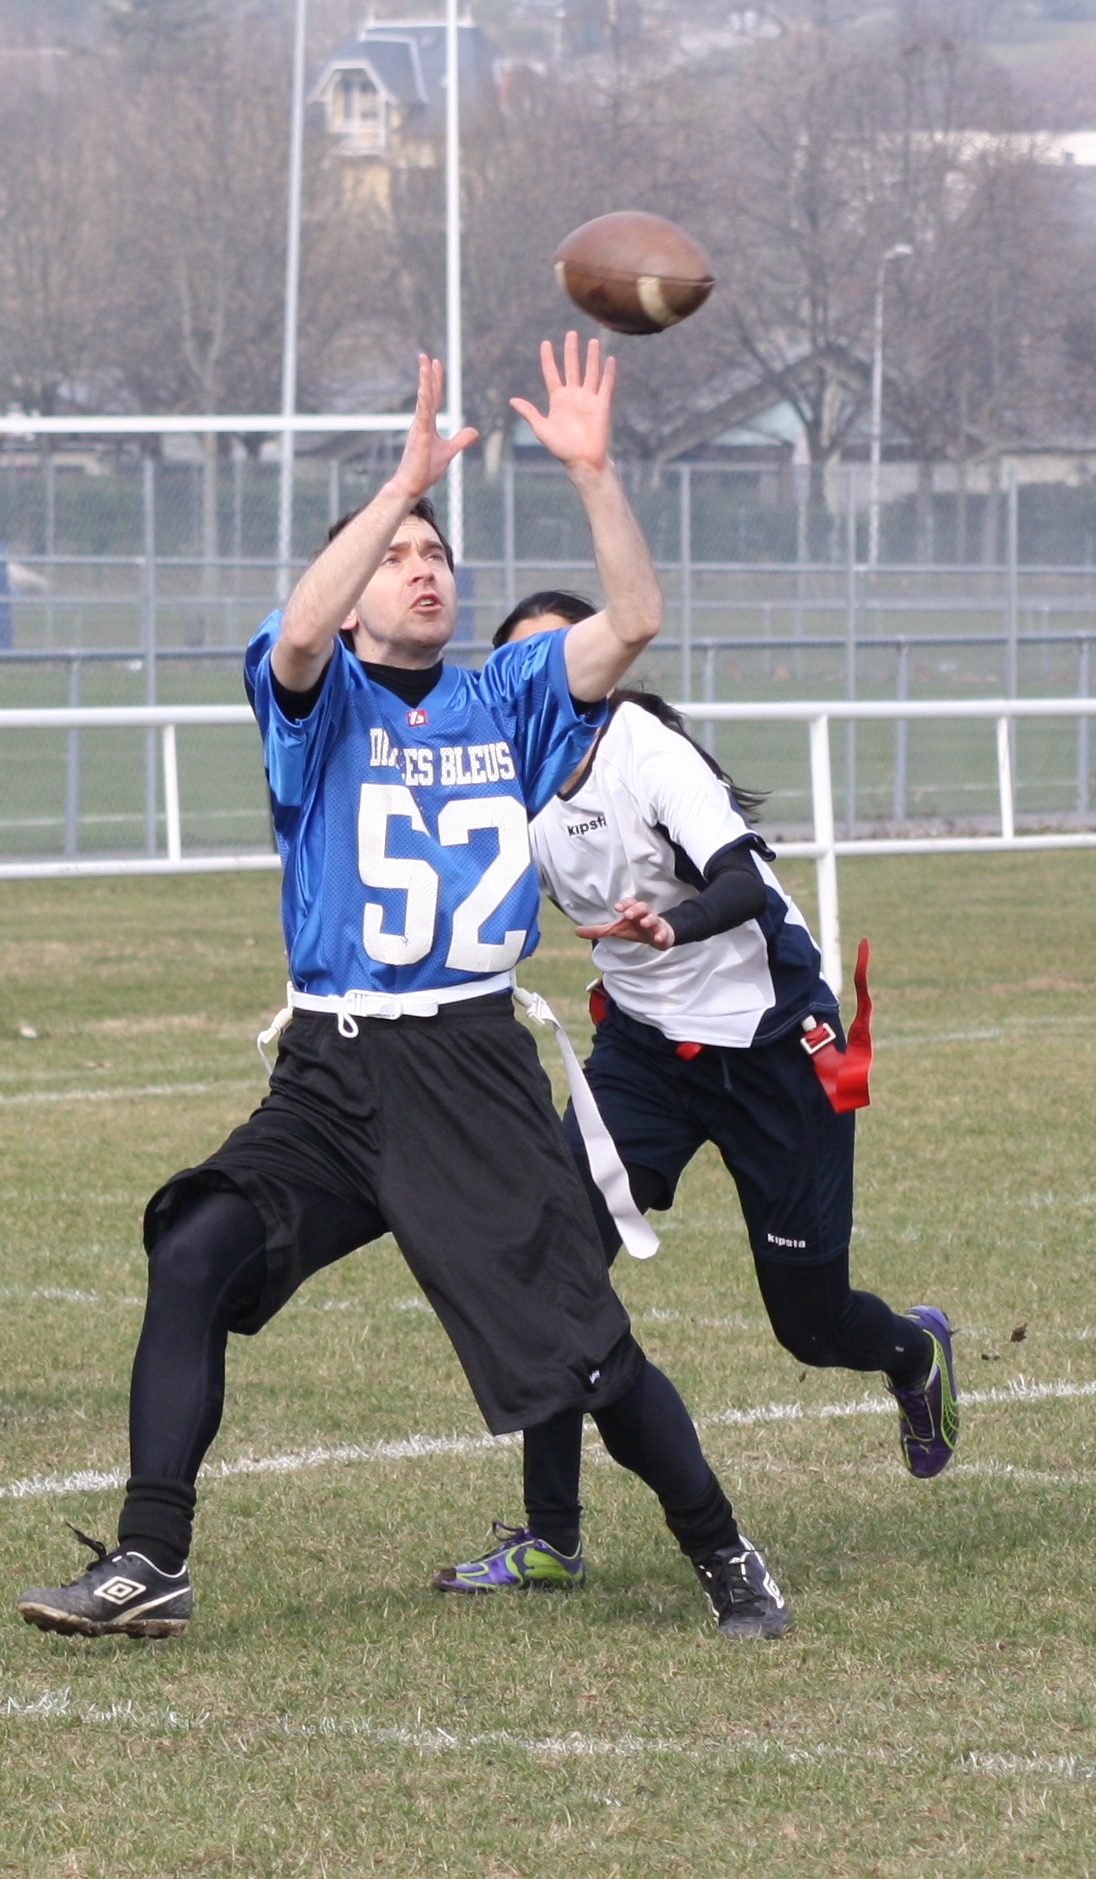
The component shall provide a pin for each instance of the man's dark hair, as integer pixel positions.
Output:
(425, 511)
(551, 600)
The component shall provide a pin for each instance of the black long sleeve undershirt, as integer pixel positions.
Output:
(412, 685)
(735, 893)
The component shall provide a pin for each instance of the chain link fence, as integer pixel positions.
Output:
(129, 579)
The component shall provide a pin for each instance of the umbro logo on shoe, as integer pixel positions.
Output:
(117, 1591)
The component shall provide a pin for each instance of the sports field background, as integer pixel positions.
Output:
(762, 624)
(951, 774)
(931, 1713)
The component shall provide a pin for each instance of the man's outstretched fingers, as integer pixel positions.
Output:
(548, 366)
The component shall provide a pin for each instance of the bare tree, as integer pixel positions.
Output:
(54, 249)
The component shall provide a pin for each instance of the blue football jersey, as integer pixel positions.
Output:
(403, 830)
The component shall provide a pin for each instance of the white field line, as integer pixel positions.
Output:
(988, 1033)
(1067, 1767)
(1019, 1392)
(64, 1295)
(58, 1705)
(656, 1316)
(1038, 1477)
(70, 1295)
(150, 1091)
(985, 1034)
(420, 1447)
(134, 1094)
(409, 1448)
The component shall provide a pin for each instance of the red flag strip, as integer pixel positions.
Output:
(843, 1074)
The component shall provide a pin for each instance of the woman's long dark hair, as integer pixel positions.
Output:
(750, 801)
(575, 607)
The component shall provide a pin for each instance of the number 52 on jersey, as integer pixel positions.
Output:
(423, 885)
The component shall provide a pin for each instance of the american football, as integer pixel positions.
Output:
(634, 272)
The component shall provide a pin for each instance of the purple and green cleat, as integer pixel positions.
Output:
(516, 1561)
(928, 1415)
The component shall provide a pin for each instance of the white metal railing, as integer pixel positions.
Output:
(824, 850)
(151, 718)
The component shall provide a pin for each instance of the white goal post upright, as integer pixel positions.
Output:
(454, 339)
(292, 304)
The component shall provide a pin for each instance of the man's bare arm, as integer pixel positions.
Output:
(599, 650)
(328, 591)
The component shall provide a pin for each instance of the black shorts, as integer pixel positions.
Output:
(441, 1131)
(790, 1155)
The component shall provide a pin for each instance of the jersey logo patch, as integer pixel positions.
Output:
(417, 717)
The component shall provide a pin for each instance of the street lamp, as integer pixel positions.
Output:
(900, 249)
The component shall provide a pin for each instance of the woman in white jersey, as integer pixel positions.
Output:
(708, 972)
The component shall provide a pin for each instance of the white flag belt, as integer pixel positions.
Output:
(347, 1007)
(637, 1234)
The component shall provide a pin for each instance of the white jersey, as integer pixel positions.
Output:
(646, 819)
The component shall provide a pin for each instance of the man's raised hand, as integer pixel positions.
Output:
(576, 426)
(426, 455)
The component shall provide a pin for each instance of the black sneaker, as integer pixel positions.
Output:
(123, 1593)
(744, 1596)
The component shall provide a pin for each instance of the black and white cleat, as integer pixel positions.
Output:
(122, 1594)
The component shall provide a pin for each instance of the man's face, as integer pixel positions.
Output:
(407, 612)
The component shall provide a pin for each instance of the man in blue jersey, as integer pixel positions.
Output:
(405, 1097)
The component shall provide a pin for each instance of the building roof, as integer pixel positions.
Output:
(405, 60)
(397, 63)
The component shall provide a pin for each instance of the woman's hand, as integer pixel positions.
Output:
(637, 922)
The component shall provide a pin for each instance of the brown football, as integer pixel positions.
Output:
(634, 272)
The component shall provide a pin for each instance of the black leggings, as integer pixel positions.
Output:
(202, 1274)
(199, 1274)
(647, 1430)
(813, 1310)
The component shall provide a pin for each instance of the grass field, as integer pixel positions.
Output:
(933, 1710)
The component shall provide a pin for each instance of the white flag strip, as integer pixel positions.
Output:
(638, 1236)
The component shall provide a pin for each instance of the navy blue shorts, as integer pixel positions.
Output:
(790, 1155)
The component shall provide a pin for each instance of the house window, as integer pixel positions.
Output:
(358, 102)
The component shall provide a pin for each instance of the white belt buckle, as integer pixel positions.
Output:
(387, 1008)
(817, 1036)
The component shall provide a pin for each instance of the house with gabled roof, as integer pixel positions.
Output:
(383, 93)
